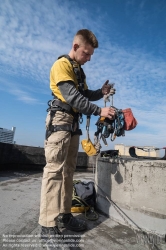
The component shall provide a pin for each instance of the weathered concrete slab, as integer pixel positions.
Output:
(139, 187)
(19, 212)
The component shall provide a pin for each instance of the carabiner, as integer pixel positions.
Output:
(113, 136)
(80, 119)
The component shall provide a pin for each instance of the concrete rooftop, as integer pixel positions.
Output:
(19, 212)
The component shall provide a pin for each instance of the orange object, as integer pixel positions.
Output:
(130, 121)
(80, 209)
(102, 118)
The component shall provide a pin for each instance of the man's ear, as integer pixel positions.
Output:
(75, 46)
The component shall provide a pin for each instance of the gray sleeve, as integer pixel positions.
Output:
(93, 95)
(76, 100)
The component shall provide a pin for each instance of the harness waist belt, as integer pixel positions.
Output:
(77, 132)
(66, 127)
(64, 106)
(55, 128)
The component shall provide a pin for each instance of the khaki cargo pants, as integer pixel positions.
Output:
(57, 184)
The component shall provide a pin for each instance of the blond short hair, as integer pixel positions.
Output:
(88, 37)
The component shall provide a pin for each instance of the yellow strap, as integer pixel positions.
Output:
(90, 213)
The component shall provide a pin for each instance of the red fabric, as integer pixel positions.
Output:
(130, 121)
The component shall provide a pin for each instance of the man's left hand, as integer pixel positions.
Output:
(106, 88)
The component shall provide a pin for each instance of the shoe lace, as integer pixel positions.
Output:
(57, 231)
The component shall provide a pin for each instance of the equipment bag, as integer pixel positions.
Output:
(130, 121)
(84, 199)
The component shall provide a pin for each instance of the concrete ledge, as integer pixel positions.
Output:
(137, 187)
(20, 157)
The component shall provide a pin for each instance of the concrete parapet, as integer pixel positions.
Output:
(137, 187)
(20, 157)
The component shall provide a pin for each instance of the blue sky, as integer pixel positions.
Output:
(131, 53)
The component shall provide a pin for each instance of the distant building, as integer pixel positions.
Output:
(124, 151)
(6, 135)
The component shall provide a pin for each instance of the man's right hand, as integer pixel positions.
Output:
(108, 112)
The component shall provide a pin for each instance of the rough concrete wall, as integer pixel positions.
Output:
(14, 156)
(145, 181)
(133, 185)
(19, 157)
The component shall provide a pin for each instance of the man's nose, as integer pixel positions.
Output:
(89, 58)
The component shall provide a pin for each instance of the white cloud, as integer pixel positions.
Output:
(35, 33)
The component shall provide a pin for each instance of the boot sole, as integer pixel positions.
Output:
(78, 229)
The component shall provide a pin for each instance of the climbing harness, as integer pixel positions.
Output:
(57, 105)
(53, 108)
(78, 72)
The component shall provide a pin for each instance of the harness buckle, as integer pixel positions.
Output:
(80, 119)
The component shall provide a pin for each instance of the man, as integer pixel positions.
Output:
(71, 97)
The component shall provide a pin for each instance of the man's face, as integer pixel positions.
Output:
(83, 53)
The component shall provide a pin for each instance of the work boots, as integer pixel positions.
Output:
(70, 222)
(52, 236)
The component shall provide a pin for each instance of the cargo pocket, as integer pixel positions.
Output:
(56, 147)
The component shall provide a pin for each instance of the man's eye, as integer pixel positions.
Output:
(86, 54)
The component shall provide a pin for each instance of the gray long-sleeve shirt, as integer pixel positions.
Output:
(80, 101)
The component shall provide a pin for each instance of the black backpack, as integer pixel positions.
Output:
(84, 199)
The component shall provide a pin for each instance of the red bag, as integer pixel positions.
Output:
(130, 121)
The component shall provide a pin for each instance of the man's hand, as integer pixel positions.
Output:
(108, 112)
(107, 89)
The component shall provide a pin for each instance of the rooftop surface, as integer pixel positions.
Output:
(19, 212)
